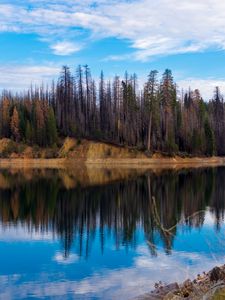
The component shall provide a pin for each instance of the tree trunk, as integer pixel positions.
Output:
(149, 132)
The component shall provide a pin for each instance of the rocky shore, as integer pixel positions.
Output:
(207, 286)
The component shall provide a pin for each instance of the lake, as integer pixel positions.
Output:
(107, 233)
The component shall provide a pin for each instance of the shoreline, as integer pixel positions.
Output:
(148, 163)
(208, 285)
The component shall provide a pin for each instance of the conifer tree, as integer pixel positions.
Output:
(210, 143)
(28, 133)
(151, 93)
(51, 128)
(15, 125)
(5, 117)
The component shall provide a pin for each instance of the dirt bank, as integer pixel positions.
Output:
(72, 152)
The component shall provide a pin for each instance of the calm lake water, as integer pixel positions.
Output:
(107, 234)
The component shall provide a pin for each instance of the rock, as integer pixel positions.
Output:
(186, 293)
(207, 286)
(216, 274)
(148, 296)
(170, 288)
(171, 296)
(187, 288)
(187, 283)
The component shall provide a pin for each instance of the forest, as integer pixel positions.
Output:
(154, 118)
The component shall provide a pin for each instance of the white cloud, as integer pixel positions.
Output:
(65, 48)
(151, 27)
(18, 77)
(206, 86)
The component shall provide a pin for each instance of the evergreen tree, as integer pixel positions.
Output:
(168, 110)
(15, 125)
(28, 133)
(151, 95)
(5, 117)
(210, 143)
(51, 128)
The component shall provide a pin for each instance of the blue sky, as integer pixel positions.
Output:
(37, 37)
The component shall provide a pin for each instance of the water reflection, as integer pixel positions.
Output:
(93, 233)
(76, 211)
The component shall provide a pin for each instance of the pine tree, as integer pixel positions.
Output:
(168, 110)
(39, 124)
(15, 125)
(210, 143)
(151, 91)
(5, 117)
(102, 103)
(51, 128)
(28, 133)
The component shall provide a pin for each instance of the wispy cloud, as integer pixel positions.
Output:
(152, 28)
(20, 77)
(149, 28)
(206, 86)
(65, 48)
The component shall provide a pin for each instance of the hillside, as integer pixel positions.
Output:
(70, 152)
(69, 148)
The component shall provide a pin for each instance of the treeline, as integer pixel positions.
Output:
(155, 118)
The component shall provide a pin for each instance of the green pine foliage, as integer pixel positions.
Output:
(209, 138)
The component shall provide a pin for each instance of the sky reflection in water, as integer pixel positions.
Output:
(103, 242)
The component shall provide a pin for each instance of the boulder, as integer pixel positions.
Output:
(216, 274)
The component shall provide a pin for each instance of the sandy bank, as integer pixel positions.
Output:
(93, 154)
(160, 162)
(146, 163)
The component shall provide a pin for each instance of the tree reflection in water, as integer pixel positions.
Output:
(58, 201)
